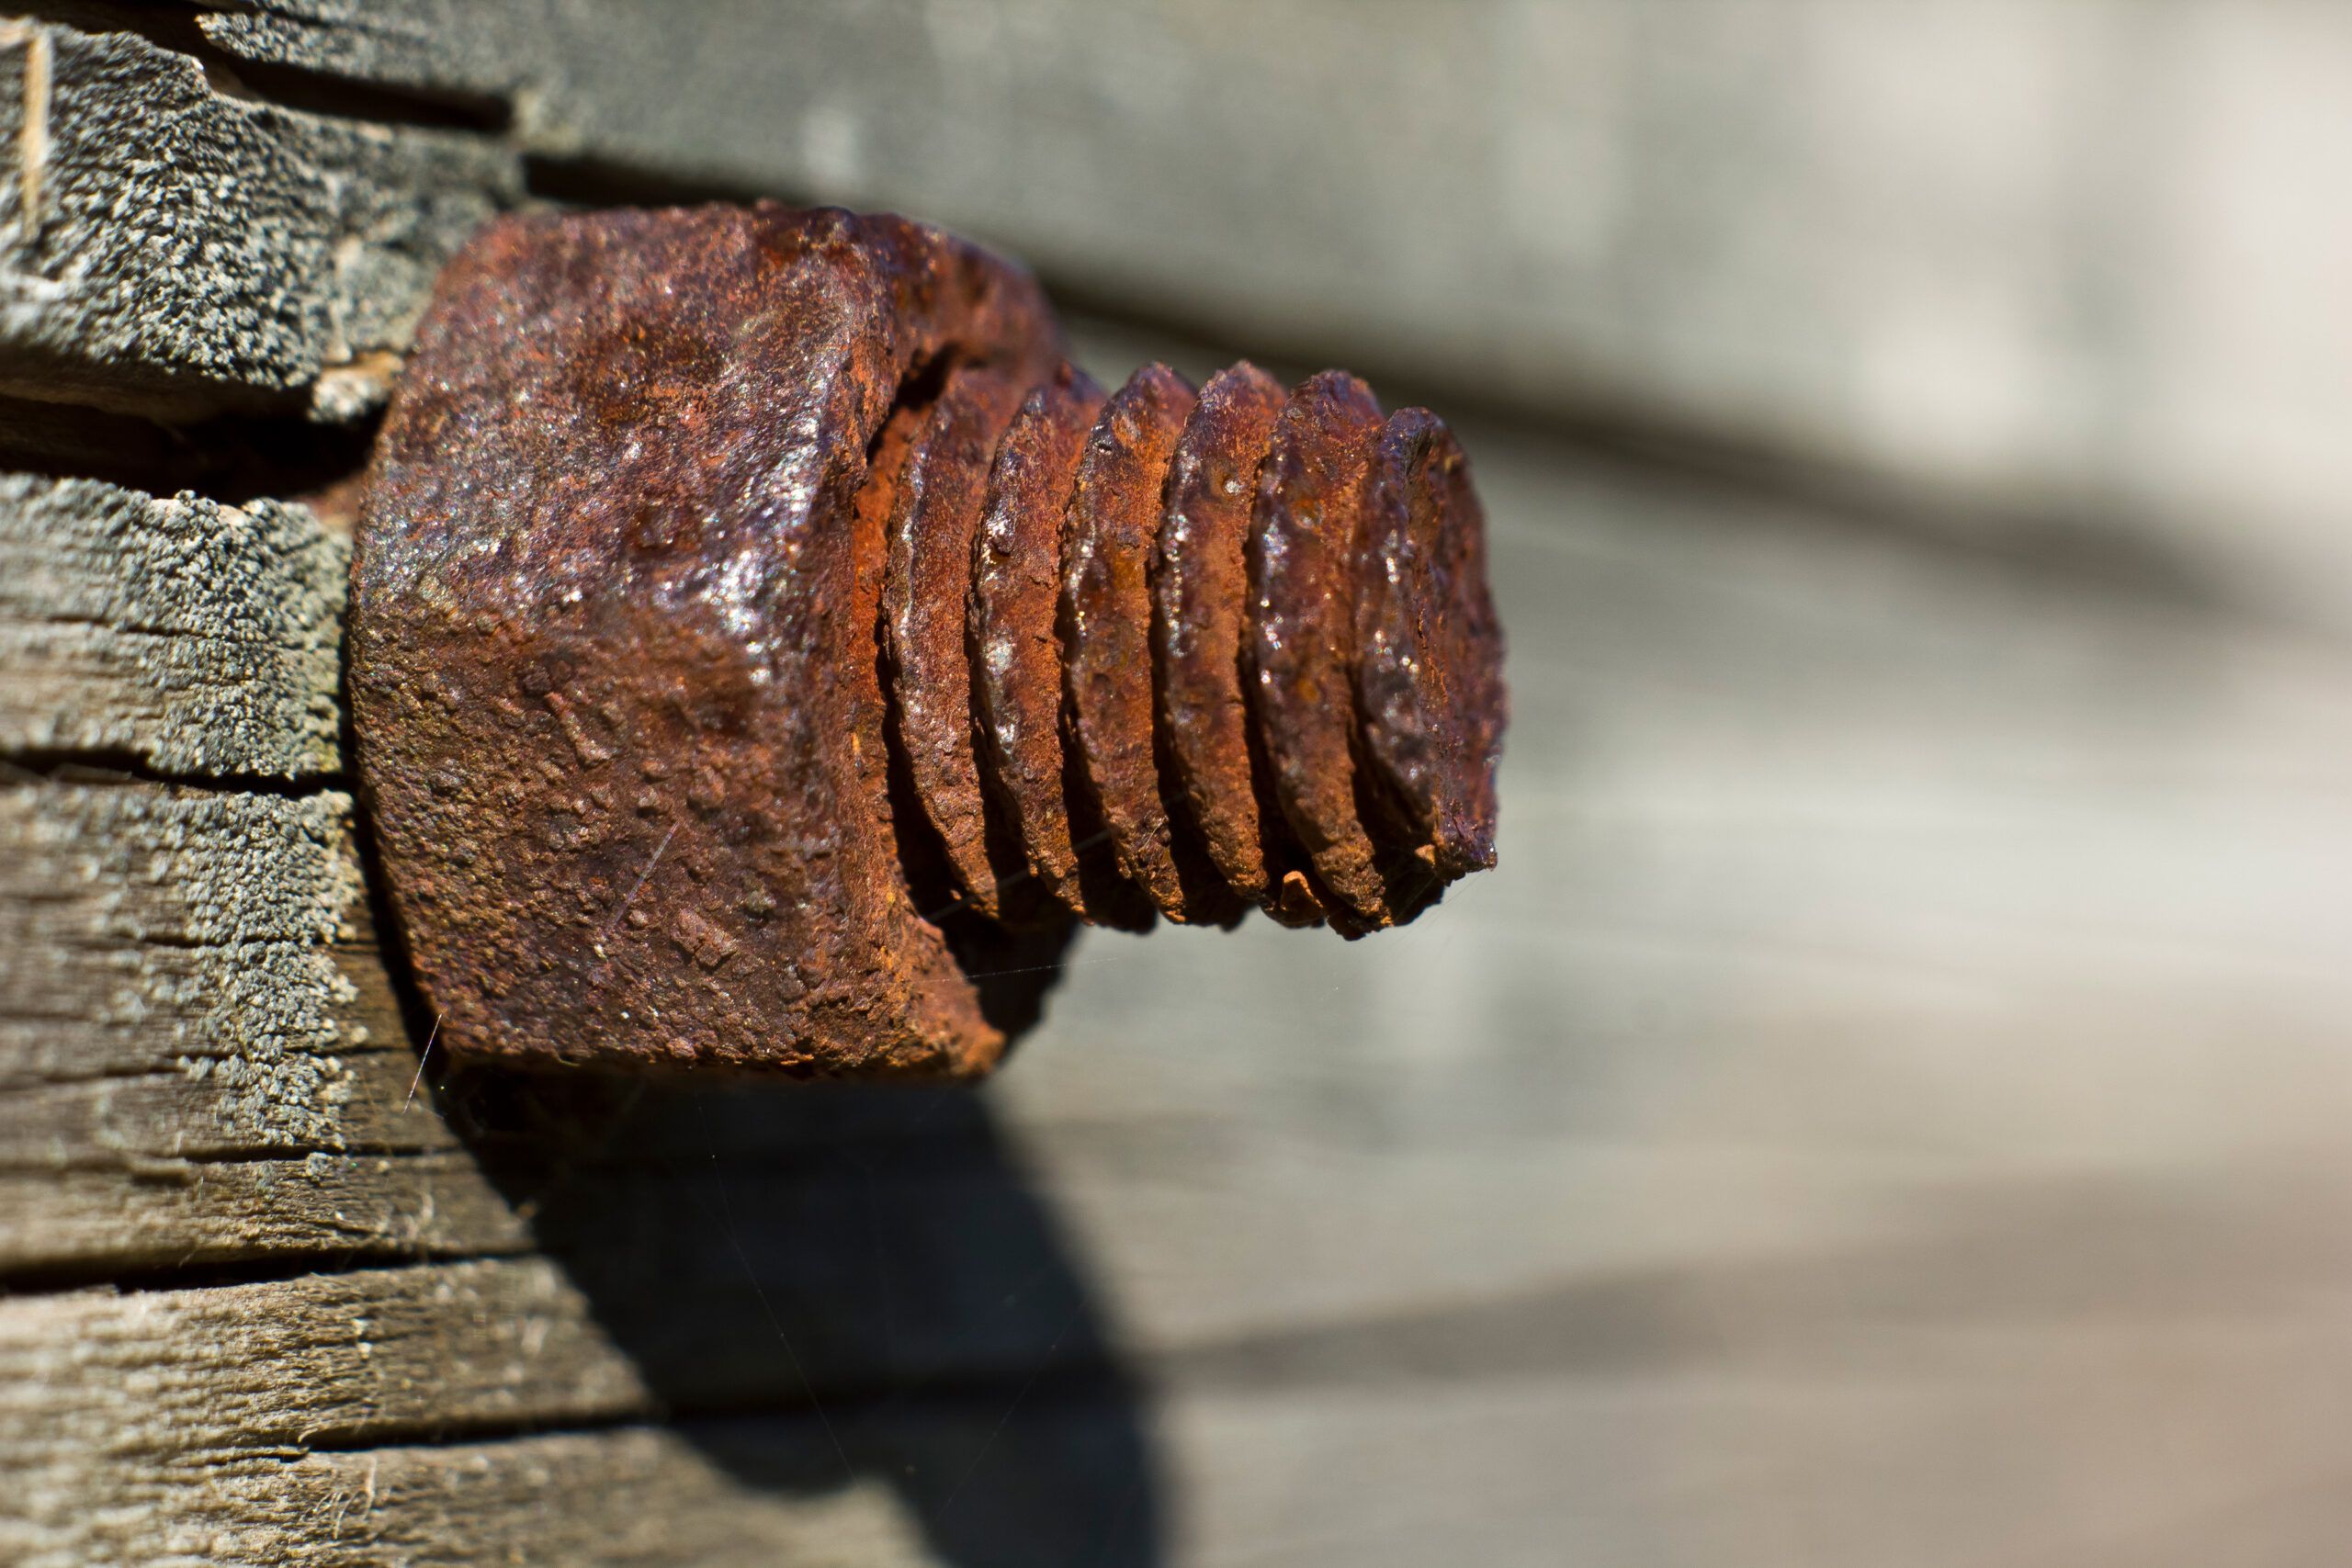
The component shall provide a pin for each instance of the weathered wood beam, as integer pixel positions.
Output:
(2068, 275)
(1579, 208)
(170, 249)
(631, 1498)
(174, 635)
(1795, 807)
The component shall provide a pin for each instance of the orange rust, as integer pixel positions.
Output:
(764, 646)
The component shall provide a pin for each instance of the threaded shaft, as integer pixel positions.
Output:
(1178, 651)
(739, 593)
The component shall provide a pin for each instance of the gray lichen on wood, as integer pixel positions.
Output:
(174, 986)
(427, 46)
(180, 250)
(190, 637)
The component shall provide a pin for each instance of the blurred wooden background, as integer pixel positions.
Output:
(1885, 1109)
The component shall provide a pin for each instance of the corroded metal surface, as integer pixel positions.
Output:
(763, 645)
(1015, 607)
(1202, 654)
(1428, 649)
(935, 512)
(602, 659)
(1302, 582)
(1114, 523)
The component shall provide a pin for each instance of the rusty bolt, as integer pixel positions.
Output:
(765, 646)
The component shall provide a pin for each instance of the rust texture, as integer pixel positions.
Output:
(936, 511)
(1200, 600)
(1114, 518)
(764, 646)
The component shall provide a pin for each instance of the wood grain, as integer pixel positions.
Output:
(1886, 1108)
(661, 1500)
(174, 250)
(1891, 948)
(178, 635)
(2103, 318)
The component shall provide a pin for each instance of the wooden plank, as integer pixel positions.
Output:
(170, 250)
(174, 986)
(1577, 246)
(152, 927)
(161, 1216)
(1048, 1482)
(1784, 1460)
(1879, 926)
(1945, 1434)
(634, 1495)
(149, 1408)
(1803, 232)
(332, 1358)
(651, 1497)
(179, 634)
(1696, 1403)
(765, 1309)
(1696, 1400)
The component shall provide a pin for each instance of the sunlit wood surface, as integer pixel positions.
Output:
(1885, 1108)
(1886, 1111)
(1888, 1106)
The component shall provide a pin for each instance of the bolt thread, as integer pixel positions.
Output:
(1180, 651)
(660, 728)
